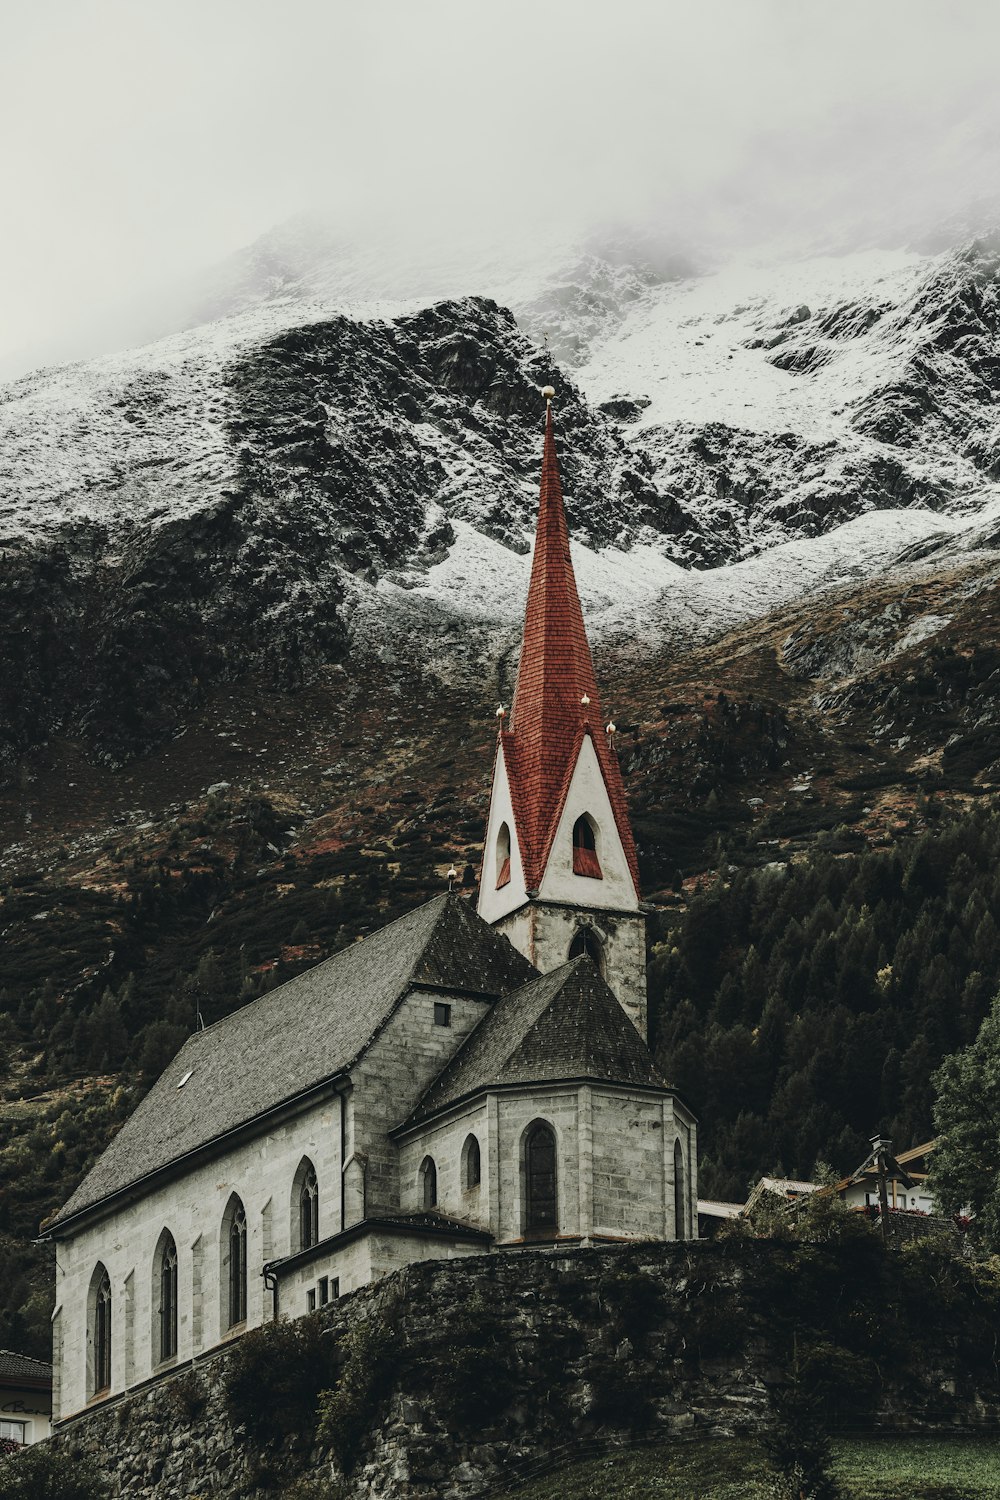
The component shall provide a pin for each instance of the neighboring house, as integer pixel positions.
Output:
(905, 1184)
(25, 1398)
(458, 1083)
(787, 1189)
(905, 1179)
(713, 1214)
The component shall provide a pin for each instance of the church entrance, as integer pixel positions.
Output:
(540, 1180)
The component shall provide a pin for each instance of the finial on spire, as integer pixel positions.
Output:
(452, 877)
(585, 701)
(501, 712)
(611, 729)
(548, 391)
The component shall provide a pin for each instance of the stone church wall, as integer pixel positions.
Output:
(393, 1074)
(262, 1172)
(662, 1340)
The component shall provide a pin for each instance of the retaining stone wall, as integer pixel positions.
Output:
(704, 1347)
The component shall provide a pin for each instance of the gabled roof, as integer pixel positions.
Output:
(565, 1024)
(16, 1367)
(556, 672)
(298, 1036)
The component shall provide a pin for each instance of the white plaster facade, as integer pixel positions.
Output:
(543, 924)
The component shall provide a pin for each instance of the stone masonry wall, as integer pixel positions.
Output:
(665, 1340)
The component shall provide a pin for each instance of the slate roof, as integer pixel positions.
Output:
(556, 671)
(15, 1367)
(564, 1024)
(297, 1036)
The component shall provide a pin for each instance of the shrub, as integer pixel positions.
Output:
(349, 1411)
(477, 1370)
(798, 1446)
(637, 1303)
(42, 1473)
(187, 1395)
(275, 1375)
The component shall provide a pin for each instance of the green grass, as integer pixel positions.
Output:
(922, 1468)
(898, 1468)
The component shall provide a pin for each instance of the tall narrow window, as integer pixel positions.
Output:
(540, 1179)
(308, 1209)
(428, 1183)
(585, 940)
(680, 1196)
(585, 861)
(472, 1162)
(101, 1333)
(237, 1246)
(503, 856)
(168, 1298)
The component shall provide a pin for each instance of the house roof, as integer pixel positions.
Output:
(556, 672)
(17, 1367)
(298, 1036)
(564, 1024)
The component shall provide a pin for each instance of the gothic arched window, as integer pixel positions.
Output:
(166, 1278)
(541, 1213)
(100, 1331)
(308, 1205)
(428, 1183)
(503, 856)
(234, 1262)
(471, 1163)
(586, 940)
(680, 1196)
(585, 860)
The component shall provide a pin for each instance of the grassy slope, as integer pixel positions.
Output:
(901, 1468)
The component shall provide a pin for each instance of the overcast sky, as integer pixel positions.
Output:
(146, 139)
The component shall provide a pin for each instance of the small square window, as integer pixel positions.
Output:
(311, 1299)
(324, 1290)
(442, 1014)
(14, 1432)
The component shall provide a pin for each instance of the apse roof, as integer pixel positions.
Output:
(566, 1024)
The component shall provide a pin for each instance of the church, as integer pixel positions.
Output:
(462, 1082)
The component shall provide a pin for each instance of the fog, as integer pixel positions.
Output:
(145, 142)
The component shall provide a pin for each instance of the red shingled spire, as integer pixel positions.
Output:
(556, 672)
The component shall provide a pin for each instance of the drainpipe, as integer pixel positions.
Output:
(343, 1155)
(271, 1283)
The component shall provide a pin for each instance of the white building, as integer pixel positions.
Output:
(458, 1083)
(25, 1398)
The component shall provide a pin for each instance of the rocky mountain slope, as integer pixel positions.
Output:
(271, 495)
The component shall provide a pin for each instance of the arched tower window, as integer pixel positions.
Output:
(100, 1331)
(166, 1289)
(503, 856)
(586, 940)
(471, 1163)
(306, 1204)
(234, 1263)
(680, 1196)
(541, 1213)
(585, 861)
(428, 1183)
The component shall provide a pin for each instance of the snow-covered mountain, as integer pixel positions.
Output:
(333, 468)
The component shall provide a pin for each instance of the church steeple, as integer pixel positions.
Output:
(560, 873)
(556, 700)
